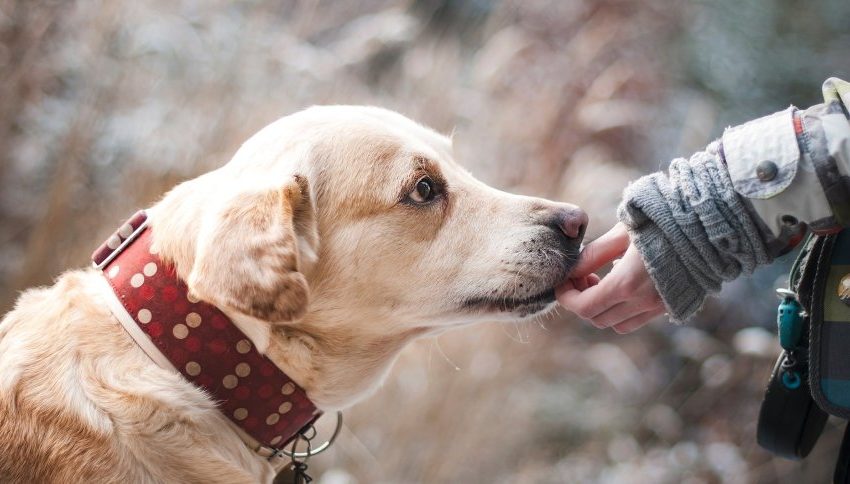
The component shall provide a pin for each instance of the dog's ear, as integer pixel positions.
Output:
(247, 258)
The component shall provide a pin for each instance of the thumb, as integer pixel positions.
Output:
(607, 247)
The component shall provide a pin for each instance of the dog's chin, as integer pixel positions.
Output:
(513, 306)
(516, 307)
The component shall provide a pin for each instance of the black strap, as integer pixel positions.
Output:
(801, 279)
(789, 421)
(842, 466)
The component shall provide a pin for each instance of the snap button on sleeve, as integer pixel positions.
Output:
(766, 171)
(762, 155)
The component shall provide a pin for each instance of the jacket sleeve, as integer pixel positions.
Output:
(744, 200)
(794, 165)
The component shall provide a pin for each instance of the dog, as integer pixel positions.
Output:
(333, 238)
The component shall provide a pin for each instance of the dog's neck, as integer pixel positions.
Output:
(335, 356)
(338, 361)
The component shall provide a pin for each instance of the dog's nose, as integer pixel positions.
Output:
(570, 220)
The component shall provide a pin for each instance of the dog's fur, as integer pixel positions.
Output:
(310, 241)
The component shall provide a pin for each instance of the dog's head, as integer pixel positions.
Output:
(353, 230)
(363, 209)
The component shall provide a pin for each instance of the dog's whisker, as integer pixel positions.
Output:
(440, 348)
(508, 334)
(539, 320)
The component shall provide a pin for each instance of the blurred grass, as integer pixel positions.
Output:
(105, 105)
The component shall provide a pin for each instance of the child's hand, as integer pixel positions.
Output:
(625, 299)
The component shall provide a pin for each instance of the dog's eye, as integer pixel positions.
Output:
(424, 190)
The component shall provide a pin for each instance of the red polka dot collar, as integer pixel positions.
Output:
(197, 340)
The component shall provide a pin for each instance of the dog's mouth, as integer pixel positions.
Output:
(531, 292)
(524, 306)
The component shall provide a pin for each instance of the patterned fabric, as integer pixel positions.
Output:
(830, 327)
(827, 139)
(205, 346)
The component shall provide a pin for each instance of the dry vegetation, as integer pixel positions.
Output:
(104, 105)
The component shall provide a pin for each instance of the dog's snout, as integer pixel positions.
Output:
(569, 220)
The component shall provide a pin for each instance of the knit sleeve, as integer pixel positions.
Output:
(693, 230)
(725, 211)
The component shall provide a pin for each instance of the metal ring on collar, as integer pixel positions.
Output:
(319, 449)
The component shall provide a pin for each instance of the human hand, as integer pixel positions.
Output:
(625, 299)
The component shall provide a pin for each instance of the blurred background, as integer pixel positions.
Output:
(105, 105)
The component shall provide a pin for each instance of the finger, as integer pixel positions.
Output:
(568, 285)
(580, 283)
(591, 302)
(585, 282)
(637, 322)
(596, 254)
(619, 313)
(637, 301)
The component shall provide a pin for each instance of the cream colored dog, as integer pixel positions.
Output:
(342, 234)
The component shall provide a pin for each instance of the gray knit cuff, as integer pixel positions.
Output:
(693, 231)
(681, 294)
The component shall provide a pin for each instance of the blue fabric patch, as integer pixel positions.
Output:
(836, 391)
